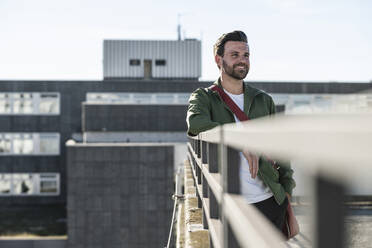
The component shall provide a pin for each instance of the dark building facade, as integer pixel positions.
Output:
(36, 174)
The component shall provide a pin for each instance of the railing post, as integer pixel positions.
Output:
(212, 158)
(213, 205)
(231, 184)
(204, 187)
(204, 152)
(330, 213)
(205, 221)
(200, 203)
(213, 210)
(198, 174)
(232, 179)
(198, 150)
(204, 195)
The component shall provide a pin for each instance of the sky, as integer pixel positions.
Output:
(290, 40)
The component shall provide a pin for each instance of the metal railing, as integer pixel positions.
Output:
(335, 150)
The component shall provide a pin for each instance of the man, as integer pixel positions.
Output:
(263, 184)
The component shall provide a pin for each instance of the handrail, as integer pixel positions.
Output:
(325, 144)
(336, 147)
(324, 141)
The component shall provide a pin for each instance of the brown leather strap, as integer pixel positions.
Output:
(230, 103)
(238, 112)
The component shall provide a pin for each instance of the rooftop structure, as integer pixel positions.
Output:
(152, 59)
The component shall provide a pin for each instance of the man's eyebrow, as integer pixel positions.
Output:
(232, 52)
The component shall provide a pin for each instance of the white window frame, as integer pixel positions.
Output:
(36, 181)
(36, 98)
(138, 98)
(36, 138)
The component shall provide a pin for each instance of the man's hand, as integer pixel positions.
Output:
(252, 161)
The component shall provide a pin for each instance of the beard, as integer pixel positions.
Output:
(238, 74)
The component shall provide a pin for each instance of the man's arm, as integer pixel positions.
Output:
(198, 114)
(286, 177)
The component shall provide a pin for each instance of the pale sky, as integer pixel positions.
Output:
(290, 40)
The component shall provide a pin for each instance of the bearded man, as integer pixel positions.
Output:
(266, 185)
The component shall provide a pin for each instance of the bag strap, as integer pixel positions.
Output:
(238, 112)
(230, 103)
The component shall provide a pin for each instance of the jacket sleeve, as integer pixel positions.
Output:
(285, 170)
(198, 113)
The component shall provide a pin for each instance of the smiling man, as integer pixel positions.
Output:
(264, 184)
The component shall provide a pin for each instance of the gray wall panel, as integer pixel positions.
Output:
(116, 200)
(116, 117)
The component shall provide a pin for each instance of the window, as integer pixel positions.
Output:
(5, 143)
(49, 143)
(183, 98)
(160, 62)
(29, 103)
(22, 103)
(29, 144)
(24, 184)
(5, 103)
(49, 103)
(49, 184)
(109, 97)
(23, 143)
(139, 98)
(5, 184)
(165, 98)
(143, 98)
(135, 62)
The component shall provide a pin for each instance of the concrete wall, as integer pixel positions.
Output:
(119, 195)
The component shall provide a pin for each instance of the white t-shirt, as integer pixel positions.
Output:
(253, 190)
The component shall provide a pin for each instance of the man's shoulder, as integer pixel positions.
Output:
(202, 92)
(257, 92)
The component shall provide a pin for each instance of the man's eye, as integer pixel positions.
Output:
(234, 55)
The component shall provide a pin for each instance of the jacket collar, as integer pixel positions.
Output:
(249, 95)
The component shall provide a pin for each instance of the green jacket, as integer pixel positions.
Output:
(207, 110)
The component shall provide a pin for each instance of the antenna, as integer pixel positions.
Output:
(179, 26)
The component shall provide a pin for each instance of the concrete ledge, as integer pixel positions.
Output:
(180, 242)
(194, 234)
(135, 137)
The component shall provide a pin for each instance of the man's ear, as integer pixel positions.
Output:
(218, 60)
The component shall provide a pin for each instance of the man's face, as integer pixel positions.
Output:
(235, 61)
